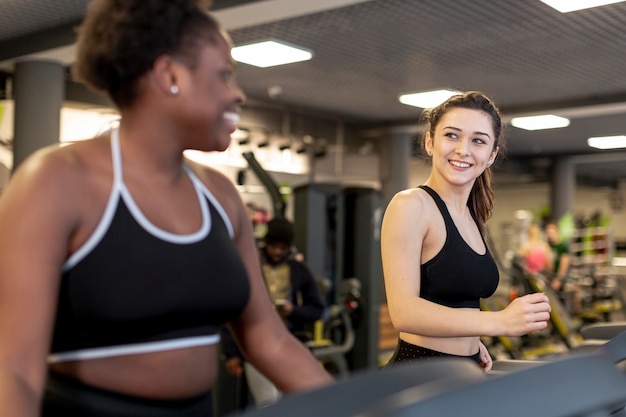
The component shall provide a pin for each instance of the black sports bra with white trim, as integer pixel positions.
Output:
(134, 288)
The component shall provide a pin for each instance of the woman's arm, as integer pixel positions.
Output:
(261, 334)
(36, 218)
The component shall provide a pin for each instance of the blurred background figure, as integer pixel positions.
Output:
(535, 251)
(560, 250)
(295, 294)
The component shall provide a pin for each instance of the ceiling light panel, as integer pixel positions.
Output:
(426, 99)
(270, 53)
(565, 6)
(540, 122)
(607, 142)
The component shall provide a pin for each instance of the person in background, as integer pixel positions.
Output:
(120, 258)
(570, 292)
(536, 252)
(436, 263)
(560, 250)
(295, 294)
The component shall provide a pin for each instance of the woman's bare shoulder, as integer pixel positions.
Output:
(409, 211)
(410, 199)
(59, 172)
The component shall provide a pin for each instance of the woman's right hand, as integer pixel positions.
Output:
(234, 366)
(526, 314)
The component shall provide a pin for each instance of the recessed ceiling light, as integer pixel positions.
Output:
(607, 142)
(544, 121)
(270, 53)
(426, 99)
(565, 6)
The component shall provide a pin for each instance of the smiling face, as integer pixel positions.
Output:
(212, 97)
(463, 144)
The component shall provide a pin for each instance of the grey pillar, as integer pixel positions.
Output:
(318, 221)
(396, 153)
(395, 157)
(38, 92)
(362, 260)
(563, 186)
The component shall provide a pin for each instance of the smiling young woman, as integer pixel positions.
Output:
(436, 263)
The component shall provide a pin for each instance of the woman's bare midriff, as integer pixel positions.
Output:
(461, 346)
(170, 375)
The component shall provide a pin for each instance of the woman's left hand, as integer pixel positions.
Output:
(485, 358)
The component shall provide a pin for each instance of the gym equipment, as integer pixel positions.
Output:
(558, 339)
(588, 339)
(602, 331)
(614, 349)
(564, 327)
(575, 386)
(365, 388)
(561, 321)
(336, 334)
(539, 344)
(563, 336)
(590, 274)
(269, 184)
(338, 231)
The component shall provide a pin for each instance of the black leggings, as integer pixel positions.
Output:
(407, 352)
(67, 397)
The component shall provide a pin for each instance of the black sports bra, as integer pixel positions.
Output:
(134, 288)
(457, 276)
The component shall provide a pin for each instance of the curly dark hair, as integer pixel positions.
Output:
(119, 40)
(481, 197)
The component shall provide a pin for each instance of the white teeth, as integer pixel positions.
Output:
(460, 164)
(232, 117)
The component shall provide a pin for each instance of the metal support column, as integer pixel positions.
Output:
(38, 94)
(563, 186)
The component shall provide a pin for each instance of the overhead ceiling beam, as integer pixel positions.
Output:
(572, 108)
(264, 12)
(612, 156)
(63, 49)
(47, 40)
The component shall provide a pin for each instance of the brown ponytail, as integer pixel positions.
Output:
(481, 199)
